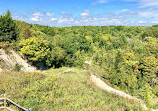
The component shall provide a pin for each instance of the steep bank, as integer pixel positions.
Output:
(8, 61)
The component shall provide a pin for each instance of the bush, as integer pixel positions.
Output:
(17, 67)
(36, 50)
(5, 45)
(155, 91)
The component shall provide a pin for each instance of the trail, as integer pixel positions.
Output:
(102, 85)
(11, 58)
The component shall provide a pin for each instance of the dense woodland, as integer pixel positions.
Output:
(127, 55)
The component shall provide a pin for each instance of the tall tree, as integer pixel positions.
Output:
(8, 28)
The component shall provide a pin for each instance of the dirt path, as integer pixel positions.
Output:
(99, 83)
(102, 85)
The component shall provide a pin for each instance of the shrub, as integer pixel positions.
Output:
(36, 50)
(17, 67)
(155, 91)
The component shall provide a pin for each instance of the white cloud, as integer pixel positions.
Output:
(50, 14)
(66, 14)
(34, 19)
(146, 14)
(115, 21)
(85, 13)
(122, 17)
(124, 10)
(141, 22)
(103, 18)
(37, 16)
(146, 3)
(21, 17)
(53, 19)
(64, 20)
(155, 22)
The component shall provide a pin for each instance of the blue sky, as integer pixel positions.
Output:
(83, 12)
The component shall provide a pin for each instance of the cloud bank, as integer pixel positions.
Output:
(145, 13)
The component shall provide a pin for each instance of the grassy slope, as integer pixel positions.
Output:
(58, 90)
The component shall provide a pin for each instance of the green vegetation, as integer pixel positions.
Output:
(59, 90)
(8, 28)
(35, 49)
(17, 67)
(127, 56)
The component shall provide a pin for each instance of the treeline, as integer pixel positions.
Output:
(128, 55)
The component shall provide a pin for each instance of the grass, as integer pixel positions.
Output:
(154, 101)
(58, 90)
(2, 64)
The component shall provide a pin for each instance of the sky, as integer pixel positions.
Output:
(62, 13)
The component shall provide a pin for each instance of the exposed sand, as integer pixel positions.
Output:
(12, 58)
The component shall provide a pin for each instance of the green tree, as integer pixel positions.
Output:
(27, 33)
(149, 69)
(8, 28)
(151, 45)
(8, 14)
(35, 49)
(57, 57)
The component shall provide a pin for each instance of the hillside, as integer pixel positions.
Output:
(124, 57)
(60, 89)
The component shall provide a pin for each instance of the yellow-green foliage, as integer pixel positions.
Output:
(89, 39)
(107, 37)
(38, 34)
(147, 95)
(35, 49)
(149, 69)
(60, 90)
(151, 45)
